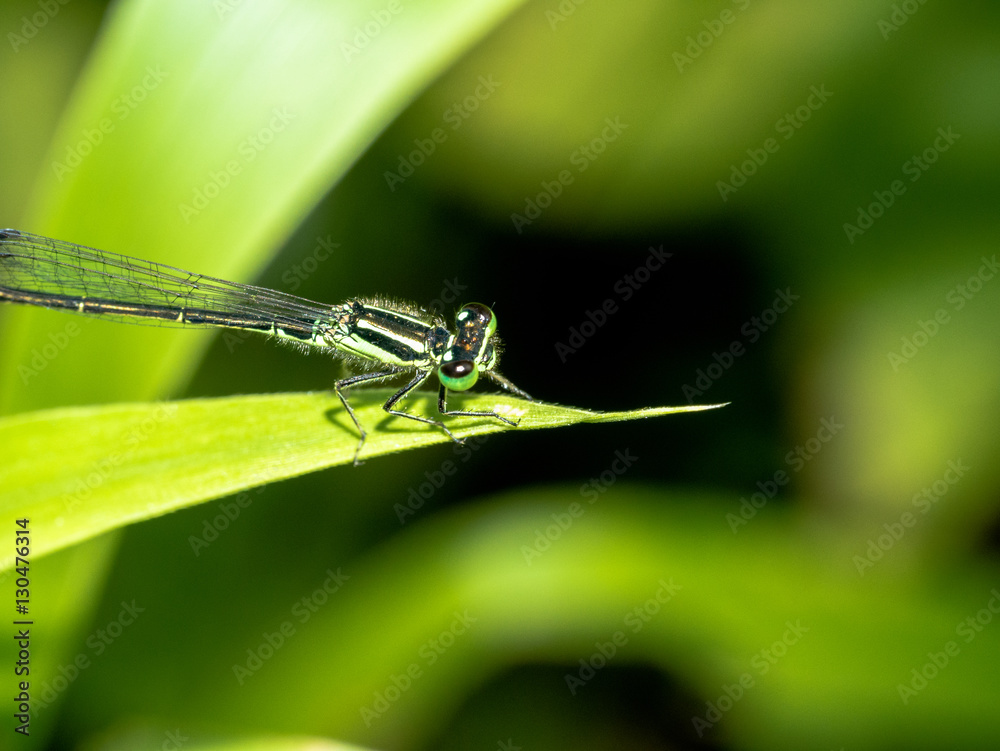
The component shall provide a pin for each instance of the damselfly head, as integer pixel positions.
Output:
(471, 351)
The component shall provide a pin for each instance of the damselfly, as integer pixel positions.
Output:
(384, 338)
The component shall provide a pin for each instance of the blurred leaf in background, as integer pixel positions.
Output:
(789, 207)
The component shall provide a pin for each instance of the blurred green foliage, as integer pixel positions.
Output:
(814, 566)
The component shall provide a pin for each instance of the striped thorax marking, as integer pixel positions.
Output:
(383, 334)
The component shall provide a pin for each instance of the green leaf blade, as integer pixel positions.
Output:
(123, 463)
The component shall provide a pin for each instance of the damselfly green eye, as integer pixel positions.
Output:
(459, 375)
(478, 315)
